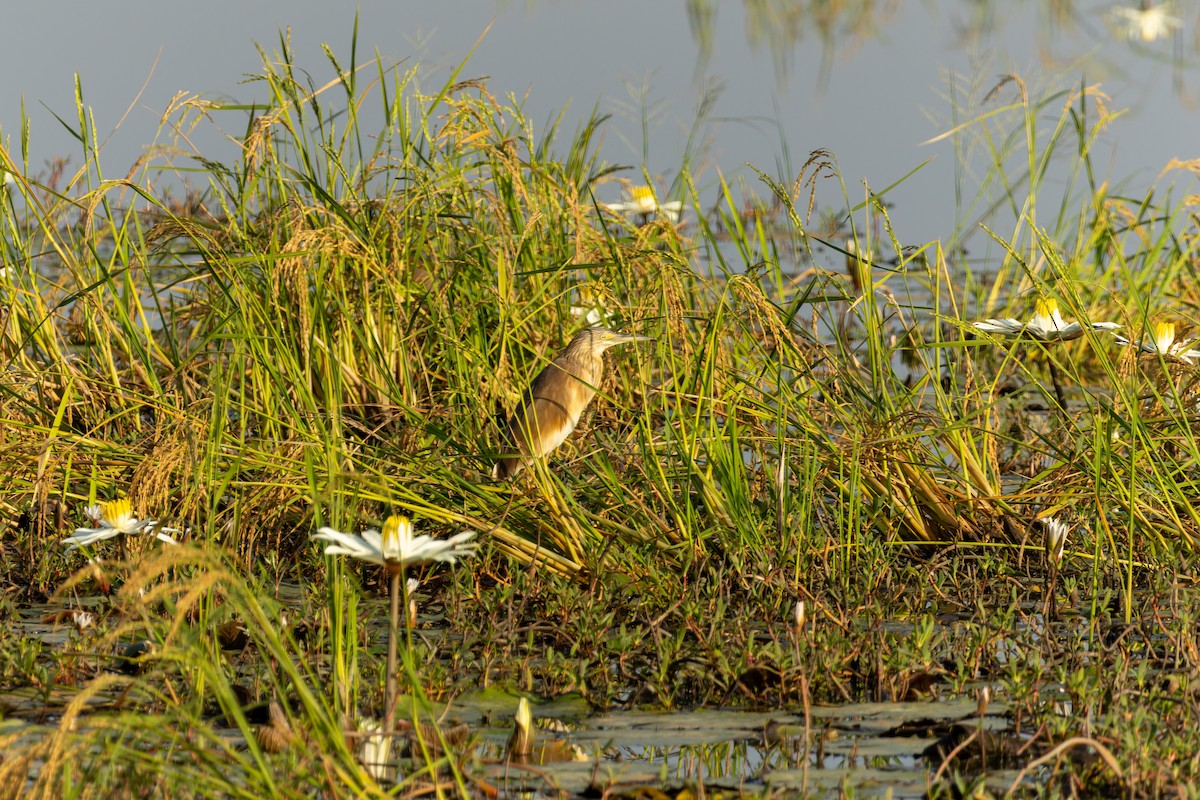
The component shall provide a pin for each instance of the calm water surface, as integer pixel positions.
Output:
(869, 83)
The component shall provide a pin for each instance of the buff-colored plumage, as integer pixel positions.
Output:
(556, 399)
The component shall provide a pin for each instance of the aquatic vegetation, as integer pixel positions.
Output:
(396, 548)
(1161, 342)
(1046, 325)
(801, 497)
(113, 519)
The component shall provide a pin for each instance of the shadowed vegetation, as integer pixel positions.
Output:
(332, 325)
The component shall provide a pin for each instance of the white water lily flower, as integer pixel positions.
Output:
(594, 315)
(1056, 539)
(396, 547)
(1147, 24)
(591, 308)
(1161, 341)
(375, 751)
(642, 202)
(1046, 325)
(113, 519)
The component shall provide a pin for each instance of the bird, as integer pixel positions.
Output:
(557, 397)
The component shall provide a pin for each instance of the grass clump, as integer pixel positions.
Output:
(325, 330)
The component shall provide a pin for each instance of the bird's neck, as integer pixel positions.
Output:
(588, 370)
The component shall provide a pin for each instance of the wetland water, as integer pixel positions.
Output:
(863, 91)
(890, 747)
(784, 81)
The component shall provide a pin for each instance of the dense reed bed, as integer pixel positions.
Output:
(328, 328)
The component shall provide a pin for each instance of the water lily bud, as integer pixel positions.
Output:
(1056, 540)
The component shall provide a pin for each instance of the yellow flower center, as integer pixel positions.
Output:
(397, 530)
(643, 199)
(1046, 307)
(1164, 336)
(114, 511)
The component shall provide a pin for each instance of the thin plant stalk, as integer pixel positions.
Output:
(1059, 394)
(1050, 604)
(395, 587)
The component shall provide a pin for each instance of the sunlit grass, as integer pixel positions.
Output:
(330, 328)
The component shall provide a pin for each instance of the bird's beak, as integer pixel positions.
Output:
(622, 338)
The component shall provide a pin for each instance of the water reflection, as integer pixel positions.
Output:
(1147, 22)
(780, 26)
(1066, 30)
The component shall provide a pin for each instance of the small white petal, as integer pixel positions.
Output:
(350, 545)
(404, 549)
(373, 540)
(162, 536)
(82, 537)
(1004, 327)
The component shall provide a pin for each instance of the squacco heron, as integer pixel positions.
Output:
(556, 399)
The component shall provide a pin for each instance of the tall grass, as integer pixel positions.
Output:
(328, 328)
(337, 325)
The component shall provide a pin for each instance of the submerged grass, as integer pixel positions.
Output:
(325, 330)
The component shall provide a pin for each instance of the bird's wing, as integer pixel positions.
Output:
(537, 426)
(545, 420)
(550, 410)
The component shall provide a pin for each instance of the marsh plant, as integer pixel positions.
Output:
(395, 550)
(326, 326)
(112, 519)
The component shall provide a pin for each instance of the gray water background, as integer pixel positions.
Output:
(872, 91)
